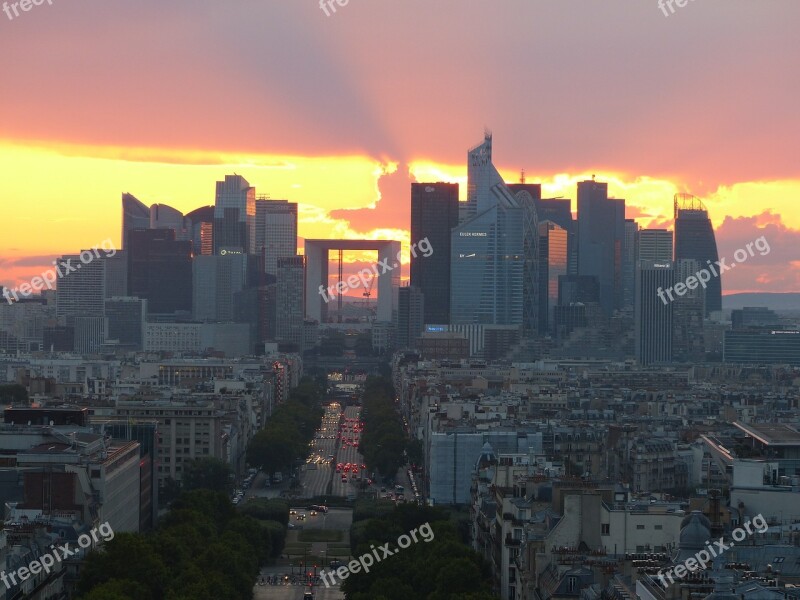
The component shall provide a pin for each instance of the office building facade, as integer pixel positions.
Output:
(276, 231)
(694, 239)
(434, 213)
(601, 231)
(653, 317)
(235, 215)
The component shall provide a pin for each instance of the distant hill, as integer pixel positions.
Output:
(788, 301)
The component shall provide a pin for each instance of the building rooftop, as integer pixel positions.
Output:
(771, 434)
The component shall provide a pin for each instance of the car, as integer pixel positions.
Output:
(292, 512)
(301, 517)
(313, 513)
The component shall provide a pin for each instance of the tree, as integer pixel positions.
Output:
(208, 474)
(13, 393)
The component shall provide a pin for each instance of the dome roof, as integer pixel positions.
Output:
(694, 535)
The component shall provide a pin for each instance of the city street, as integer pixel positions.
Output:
(318, 472)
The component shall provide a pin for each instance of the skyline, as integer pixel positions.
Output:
(340, 135)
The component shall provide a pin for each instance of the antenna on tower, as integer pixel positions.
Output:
(522, 176)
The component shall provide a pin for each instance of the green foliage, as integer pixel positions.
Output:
(202, 549)
(13, 393)
(383, 440)
(442, 569)
(415, 452)
(267, 509)
(207, 474)
(284, 440)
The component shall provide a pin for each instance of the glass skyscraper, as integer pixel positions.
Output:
(491, 250)
(434, 213)
(694, 238)
(601, 233)
(235, 215)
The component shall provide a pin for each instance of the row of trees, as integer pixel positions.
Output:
(285, 439)
(203, 548)
(445, 568)
(384, 440)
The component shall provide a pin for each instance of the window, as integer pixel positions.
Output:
(572, 584)
(605, 529)
(779, 559)
(640, 527)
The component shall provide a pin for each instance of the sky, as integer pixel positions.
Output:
(341, 113)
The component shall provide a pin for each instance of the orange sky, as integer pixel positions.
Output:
(341, 113)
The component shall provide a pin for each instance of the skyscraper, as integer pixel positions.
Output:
(201, 223)
(410, 316)
(601, 232)
(135, 215)
(688, 341)
(434, 213)
(629, 263)
(653, 318)
(276, 231)
(694, 238)
(82, 289)
(166, 217)
(235, 215)
(290, 300)
(215, 282)
(488, 249)
(655, 244)
(160, 270)
(553, 263)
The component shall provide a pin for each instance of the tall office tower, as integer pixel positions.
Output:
(694, 238)
(276, 231)
(215, 282)
(655, 244)
(82, 287)
(410, 316)
(574, 289)
(755, 317)
(434, 213)
(135, 215)
(653, 318)
(559, 211)
(688, 341)
(629, 263)
(530, 267)
(126, 318)
(601, 231)
(533, 189)
(90, 333)
(166, 217)
(290, 305)
(488, 249)
(481, 177)
(160, 270)
(201, 224)
(553, 263)
(116, 273)
(235, 215)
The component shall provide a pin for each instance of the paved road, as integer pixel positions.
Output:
(318, 472)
